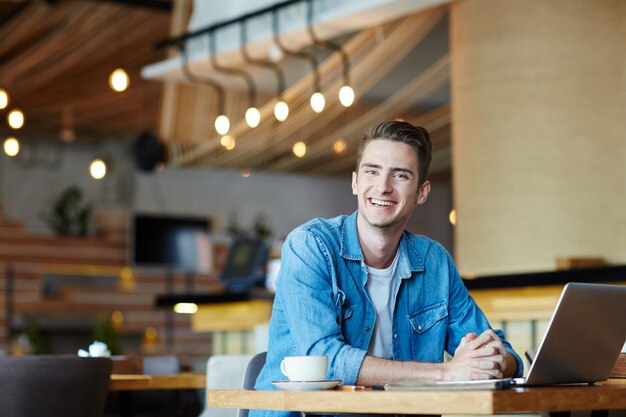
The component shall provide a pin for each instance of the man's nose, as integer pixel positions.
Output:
(384, 184)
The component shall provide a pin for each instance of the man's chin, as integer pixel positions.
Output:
(387, 223)
(383, 224)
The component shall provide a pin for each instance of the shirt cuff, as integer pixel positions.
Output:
(348, 365)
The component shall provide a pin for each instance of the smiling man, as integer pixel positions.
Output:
(382, 303)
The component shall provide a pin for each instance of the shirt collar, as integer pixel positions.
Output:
(410, 260)
(350, 247)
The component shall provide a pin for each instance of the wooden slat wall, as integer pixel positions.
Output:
(33, 258)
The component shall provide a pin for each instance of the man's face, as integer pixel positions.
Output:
(386, 184)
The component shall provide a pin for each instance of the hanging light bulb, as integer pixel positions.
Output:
(15, 118)
(253, 117)
(222, 124)
(452, 217)
(4, 99)
(228, 142)
(119, 80)
(346, 96)
(299, 149)
(340, 146)
(281, 111)
(98, 169)
(11, 146)
(318, 102)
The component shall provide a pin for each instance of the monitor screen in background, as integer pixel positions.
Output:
(245, 264)
(172, 242)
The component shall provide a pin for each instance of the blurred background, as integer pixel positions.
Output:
(155, 152)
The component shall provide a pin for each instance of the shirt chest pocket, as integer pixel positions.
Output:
(343, 306)
(425, 318)
(429, 326)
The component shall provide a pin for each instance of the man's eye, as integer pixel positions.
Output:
(402, 176)
(370, 171)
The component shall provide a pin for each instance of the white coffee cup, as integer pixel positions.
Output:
(304, 368)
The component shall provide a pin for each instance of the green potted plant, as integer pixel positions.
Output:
(69, 215)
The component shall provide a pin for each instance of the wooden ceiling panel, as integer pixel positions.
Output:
(56, 59)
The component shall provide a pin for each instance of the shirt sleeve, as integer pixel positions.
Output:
(467, 317)
(306, 290)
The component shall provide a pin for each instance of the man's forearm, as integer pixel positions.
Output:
(376, 371)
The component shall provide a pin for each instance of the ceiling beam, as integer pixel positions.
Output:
(158, 5)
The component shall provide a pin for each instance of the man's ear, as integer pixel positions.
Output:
(423, 192)
(354, 185)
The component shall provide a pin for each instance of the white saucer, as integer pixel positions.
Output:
(307, 385)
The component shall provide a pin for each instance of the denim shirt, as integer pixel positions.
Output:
(322, 307)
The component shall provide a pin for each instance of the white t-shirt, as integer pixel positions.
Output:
(382, 288)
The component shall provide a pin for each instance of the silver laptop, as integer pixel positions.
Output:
(581, 345)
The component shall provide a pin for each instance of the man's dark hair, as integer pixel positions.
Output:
(415, 136)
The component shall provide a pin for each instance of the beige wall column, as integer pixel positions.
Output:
(539, 132)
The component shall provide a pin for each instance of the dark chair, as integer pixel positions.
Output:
(252, 372)
(53, 386)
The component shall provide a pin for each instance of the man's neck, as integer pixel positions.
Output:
(379, 245)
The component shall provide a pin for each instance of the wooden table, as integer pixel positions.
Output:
(137, 382)
(544, 399)
(127, 383)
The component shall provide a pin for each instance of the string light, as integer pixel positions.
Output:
(253, 117)
(346, 96)
(11, 146)
(340, 146)
(299, 149)
(16, 119)
(318, 102)
(98, 169)
(4, 99)
(228, 142)
(119, 80)
(222, 124)
(281, 111)
(346, 93)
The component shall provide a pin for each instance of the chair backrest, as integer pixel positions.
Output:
(53, 386)
(161, 365)
(252, 372)
(224, 372)
(253, 369)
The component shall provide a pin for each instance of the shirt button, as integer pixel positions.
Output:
(367, 329)
(419, 327)
(395, 335)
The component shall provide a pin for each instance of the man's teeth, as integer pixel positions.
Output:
(381, 202)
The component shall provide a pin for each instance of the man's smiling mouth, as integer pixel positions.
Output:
(381, 203)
